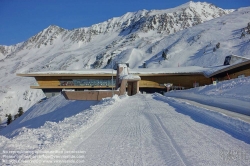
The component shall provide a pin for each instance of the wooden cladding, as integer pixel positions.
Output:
(146, 81)
(235, 73)
(48, 81)
(177, 80)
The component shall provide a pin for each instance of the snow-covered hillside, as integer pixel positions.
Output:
(145, 133)
(189, 32)
(233, 95)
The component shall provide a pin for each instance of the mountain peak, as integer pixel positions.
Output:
(188, 4)
(198, 5)
(54, 28)
(166, 21)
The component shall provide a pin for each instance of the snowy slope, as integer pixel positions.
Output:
(135, 38)
(111, 133)
(231, 95)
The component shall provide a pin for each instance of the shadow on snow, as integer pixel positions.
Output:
(202, 116)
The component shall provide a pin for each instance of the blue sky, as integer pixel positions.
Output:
(21, 19)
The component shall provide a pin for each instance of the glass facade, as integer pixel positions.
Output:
(87, 82)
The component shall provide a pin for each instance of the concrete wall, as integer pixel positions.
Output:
(123, 87)
(51, 92)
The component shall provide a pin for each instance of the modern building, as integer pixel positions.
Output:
(95, 84)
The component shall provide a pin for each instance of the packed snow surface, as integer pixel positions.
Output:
(144, 129)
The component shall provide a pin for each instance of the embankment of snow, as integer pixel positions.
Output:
(54, 109)
(52, 120)
(238, 128)
(232, 95)
(48, 123)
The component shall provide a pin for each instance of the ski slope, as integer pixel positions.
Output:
(145, 129)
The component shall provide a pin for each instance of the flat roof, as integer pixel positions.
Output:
(85, 72)
(220, 69)
(168, 71)
(188, 70)
(108, 72)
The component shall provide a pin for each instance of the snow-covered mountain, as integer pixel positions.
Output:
(162, 21)
(189, 32)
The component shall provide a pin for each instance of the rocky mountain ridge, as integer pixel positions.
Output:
(162, 21)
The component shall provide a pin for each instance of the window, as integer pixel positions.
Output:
(196, 84)
(66, 83)
(87, 82)
(241, 76)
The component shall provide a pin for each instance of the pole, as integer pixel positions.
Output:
(112, 77)
(228, 76)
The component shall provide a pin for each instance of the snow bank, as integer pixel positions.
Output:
(48, 123)
(131, 77)
(231, 95)
(210, 117)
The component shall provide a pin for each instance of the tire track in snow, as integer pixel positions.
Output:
(130, 135)
(98, 128)
(125, 144)
(195, 131)
(109, 133)
(110, 142)
(173, 144)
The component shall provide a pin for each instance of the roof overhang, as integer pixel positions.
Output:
(63, 75)
(181, 71)
(83, 73)
(229, 67)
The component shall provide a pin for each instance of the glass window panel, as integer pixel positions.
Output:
(88, 82)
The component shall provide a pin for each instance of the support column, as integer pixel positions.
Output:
(123, 87)
(135, 87)
(130, 88)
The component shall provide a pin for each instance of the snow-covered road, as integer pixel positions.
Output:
(156, 130)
